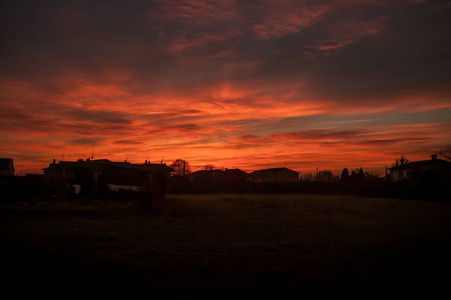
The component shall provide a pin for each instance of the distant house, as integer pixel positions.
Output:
(234, 176)
(273, 175)
(217, 180)
(422, 171)
(206, 176)
(228, 176)
(97, 177)
(6, 167)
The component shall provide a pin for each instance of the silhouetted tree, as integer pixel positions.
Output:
(372, 177)
(208, 167)
(345, 176)
(395, 164)
(361, 176)
(400, 162)
(307, 177)
(325, 175)
(354, 178)
(181, 167)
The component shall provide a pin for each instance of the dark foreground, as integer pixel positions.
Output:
(225, 246)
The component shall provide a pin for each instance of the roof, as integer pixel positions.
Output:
(274, 170)
(205, 172)
(235, 170)
(423, 163)
(5, 162)
(153, 167)
(163, 168)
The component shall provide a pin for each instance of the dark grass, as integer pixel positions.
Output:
(226, 246)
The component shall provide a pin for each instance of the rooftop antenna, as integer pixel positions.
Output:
(126, 157)
(162, 160)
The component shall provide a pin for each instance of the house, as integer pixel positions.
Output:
(6, 167)
(228, 176)
(422, 171)
(273, 175)
(211, 181)
(234, 176)
(100, 177)
(206, 177)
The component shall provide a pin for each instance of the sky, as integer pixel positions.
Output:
(239, 84)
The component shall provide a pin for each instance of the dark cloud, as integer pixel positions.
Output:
(92, 141)
(253, 139)
(357, 47)
(128, 142)
(319, 134)
(98, 116)
(184, 127)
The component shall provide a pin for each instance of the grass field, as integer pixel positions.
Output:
(228, 243)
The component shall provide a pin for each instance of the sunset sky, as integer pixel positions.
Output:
(248, 84)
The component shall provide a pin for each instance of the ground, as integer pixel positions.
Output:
(226, 245)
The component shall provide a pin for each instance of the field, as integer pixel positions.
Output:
(226, 245)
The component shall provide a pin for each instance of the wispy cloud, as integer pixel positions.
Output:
(309, 84)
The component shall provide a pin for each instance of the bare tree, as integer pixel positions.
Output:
(181, 167)
(307, 177)
(400, 162)
(208, 167)
(325, 175)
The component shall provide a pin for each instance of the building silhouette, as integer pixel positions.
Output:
(7, 167)
(103, 177)
(273, 175)
(434, 169)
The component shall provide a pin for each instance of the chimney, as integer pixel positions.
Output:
(54, 161)
(434, 156)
